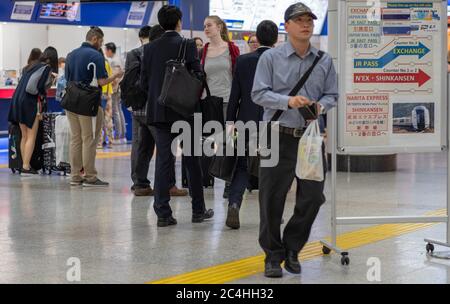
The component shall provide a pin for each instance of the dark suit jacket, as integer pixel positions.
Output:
(133, 56)
(241, 106)
(155, 56)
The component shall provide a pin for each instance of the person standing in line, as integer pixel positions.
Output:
(27, 103)
(156, 55)
(117, 113)
(218, 60)
(277, 73)
(107, 127)
(242, 108)
(253, 43)
(83, 143)
(199, 43)
(33, 58)
(143, 144)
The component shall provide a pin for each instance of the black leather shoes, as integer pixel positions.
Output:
(198, 218)
(273, 270)
(167, 221)
(233, 217)
(291, 262)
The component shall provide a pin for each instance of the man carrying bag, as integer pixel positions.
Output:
(278, 71)
(82, 102)
(165, 107)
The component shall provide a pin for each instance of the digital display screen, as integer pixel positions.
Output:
(66, 11)
(245, 15)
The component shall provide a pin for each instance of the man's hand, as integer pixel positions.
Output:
(299, 102)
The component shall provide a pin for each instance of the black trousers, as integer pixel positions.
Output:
(274, 185)
(142, 149)
(164, 167)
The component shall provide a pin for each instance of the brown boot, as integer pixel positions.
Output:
(143, 191)
(174, 191)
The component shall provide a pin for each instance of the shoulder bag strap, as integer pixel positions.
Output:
(300, 84)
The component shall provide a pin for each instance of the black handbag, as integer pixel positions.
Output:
(253, 162)
(212, 107)
(181, 90)
(223, 167)
(81, 99)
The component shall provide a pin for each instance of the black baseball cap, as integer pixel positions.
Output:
(296, 10)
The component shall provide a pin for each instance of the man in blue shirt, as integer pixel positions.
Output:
(277, 73)
(85, 130)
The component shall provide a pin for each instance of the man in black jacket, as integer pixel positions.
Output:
(242, 108)
(143, 144)
(156, 54)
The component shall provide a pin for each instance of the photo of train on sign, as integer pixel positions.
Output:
(413, 118)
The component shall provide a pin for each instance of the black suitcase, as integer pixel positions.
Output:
(208, 180)
(14, 153)
(49, 145)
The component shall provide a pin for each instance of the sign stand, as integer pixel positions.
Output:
(337, 140)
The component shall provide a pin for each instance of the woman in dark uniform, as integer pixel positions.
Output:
(26, 105)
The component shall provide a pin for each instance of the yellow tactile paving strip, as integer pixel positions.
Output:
(246, 267)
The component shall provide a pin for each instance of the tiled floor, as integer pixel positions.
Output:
(44, 222)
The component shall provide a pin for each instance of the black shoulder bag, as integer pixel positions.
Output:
(181, 90)
(308, 113)
(82, 99)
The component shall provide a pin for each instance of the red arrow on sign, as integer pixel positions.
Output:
(420, 78)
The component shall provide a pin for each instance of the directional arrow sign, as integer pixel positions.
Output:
(419, 50)
(420, 78)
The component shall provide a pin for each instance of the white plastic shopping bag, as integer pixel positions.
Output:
(309, 157)
(62, 139)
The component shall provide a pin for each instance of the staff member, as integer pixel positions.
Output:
(277, 73)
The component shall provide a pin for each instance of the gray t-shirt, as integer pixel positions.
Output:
(218, 75)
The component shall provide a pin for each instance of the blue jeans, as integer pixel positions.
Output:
(239, 182)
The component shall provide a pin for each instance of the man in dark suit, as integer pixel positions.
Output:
(242, 108)
(155, 56)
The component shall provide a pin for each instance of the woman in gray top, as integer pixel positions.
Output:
(218, 61)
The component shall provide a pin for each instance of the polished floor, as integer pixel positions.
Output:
(44, 222)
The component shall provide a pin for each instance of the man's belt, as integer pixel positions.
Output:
(297, 133)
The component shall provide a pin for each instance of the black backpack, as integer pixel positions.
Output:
(131, 93)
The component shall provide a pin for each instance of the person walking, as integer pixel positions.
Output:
(218, 60)
(143, 143)
(278, 72)
(242, 108)
(156, 54)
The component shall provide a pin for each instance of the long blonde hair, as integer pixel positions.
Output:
(223, 27)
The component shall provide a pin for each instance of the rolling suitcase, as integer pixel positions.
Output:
(49, 145)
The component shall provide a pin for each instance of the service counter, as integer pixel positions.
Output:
(6, 94)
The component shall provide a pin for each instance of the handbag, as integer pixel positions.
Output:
(223, 167)
(81, 98)
(181, 89)
(212, 108)
(253, 162)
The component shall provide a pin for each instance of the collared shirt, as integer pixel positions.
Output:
(277, 73)
(78, 60)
